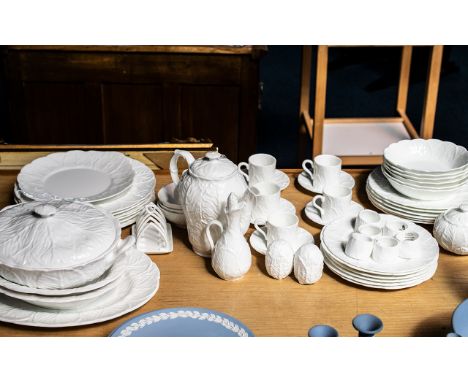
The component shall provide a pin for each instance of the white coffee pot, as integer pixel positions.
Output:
(203, 191)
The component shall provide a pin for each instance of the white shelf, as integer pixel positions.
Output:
(361, 139)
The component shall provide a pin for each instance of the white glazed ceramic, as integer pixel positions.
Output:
(113, 273)
(431, 156)
(280, 226)
(359, 246)
(76, 175)
(333, 203)
(203, 191)
(167, 197)
(308, 264)
(371, 231)
(386, 250)
(420, 181)
(368, 217)
(395, 227)
(335, 236)
(314, 215)
(410, 246)
(324, 171)
(125, 207)
(370, 281)
(451, 229)
(422, 193)
(153, 234)
(136, 286)
(266, 199)
(345, 180)
(261, 168)
(259, 244)
(175, 217)
(281, 179)
(386, 198)
(57, 244)
(448, 177)
(284, 205)
(230, 254)
(279, 259)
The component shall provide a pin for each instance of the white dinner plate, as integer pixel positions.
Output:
(136, 286)
(76, 175)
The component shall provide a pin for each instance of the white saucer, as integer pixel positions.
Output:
(284, 206)
(259, 244)
(312, 213)
(281, 179)
(346, 180)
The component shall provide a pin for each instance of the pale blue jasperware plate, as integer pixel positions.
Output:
(183, 322)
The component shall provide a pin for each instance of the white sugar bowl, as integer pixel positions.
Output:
(451, 230)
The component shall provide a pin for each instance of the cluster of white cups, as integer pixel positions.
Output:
(266, 193)
(324, 172)
(385, 243)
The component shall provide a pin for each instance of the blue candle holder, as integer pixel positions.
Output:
(367, 325)
(460, 320)
(323, 331)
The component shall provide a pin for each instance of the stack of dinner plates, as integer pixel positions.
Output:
(109, 180)
(403, 273)
(419, 179)
(63, 264)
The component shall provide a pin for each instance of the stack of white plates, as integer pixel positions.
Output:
(383, 196)
(109, 180)
(404, 273)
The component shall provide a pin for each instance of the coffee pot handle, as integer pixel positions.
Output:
(246, 165)
(208, 232)
(173, 168)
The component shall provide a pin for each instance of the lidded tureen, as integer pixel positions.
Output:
(57, 244)
(203, 191)
(451, 229)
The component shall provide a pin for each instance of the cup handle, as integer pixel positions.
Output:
(308, 172)
(208, 232)
(257, 227)
(314, 203)
(240, 166)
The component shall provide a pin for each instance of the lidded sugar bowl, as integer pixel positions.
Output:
(203, 191)
(56, 244)
(451, 229)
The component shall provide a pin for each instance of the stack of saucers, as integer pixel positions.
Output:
(420, 178)
(410, 262)
(170, 206)
(109, 180)
(63, 264)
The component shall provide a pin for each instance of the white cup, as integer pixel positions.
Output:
(261, 168)
(410, 245)
(386, 250)
(367, 217)
(333, 202)
(325, 171)
(393, 228)
(266, 200)
(280, 226)
(359, 246)
(372, 231)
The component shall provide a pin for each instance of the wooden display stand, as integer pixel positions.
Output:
(361, 141)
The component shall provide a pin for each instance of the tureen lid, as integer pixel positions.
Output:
(458, 215)
(54, 235)
(213, 166)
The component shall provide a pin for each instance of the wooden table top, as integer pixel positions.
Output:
(272, 307)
